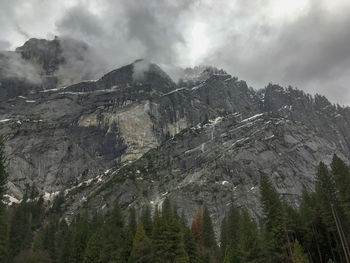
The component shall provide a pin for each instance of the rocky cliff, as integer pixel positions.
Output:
(137, 136)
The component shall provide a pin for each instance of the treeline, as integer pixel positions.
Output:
(317, 231)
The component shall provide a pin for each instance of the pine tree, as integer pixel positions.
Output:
(190, 246)
(113, 235)
(142, 248)
(326, 193)
(298, 254)
(229, 229)
(341, 175)
(167, 212)
(208, 230)
(209, 242)
(3, 221)
(64, 239)
(177, 245)
(80, 239)
(314, 235)
(197, 227)
(132, 225)
(93, 249)
(160, 239)
(249, 244)
(146, 219)
(224, 239)
(20, 235)
(231, 255)
(276, 236)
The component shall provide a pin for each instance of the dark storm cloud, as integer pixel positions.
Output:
(312, 53)
(254, 40)
(129, 30)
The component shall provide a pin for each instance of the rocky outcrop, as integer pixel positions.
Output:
(136, 136)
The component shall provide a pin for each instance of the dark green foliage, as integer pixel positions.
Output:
(229, 230)
(243, 242)
(208, 231)
(57, 203)
(298, 254)
(249, 243)
(142, 248)
(146, 219)
(132, 221)
(80, 238)
(276, 234)
(3, 174)
(316, 232)
(190, 246)
(113, 235)
(94, 249)
(3, 219)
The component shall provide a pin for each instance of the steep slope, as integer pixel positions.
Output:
(57, 138)
(136, 136)
(217, 164)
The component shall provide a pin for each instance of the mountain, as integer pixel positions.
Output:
(136, 136)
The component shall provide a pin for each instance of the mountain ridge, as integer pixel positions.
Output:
(196, 139)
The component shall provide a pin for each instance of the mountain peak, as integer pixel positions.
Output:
(200, 73)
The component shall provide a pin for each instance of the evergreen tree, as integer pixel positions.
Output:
(341, 175)
(190, 246)
(224, 239)
(146, 219)
(20, 236)
(276, 235)
(177, 245)
(330, 210)
(229, 230)
(298, 254)
(197, 227)
(64, 239)
(249, 244)
(231, 255)
(127, 246)
(209, 242)
(113, 235)
(160, 239)
(314, 235)
(142, 248)
(80, 239)
(93, 249)
(3, 220)
(167, 212)
(132, 221)
(208, 230)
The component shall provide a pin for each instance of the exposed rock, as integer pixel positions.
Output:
(135, 136)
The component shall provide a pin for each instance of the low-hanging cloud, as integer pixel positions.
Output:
(12, 66)
(140, 67)
(303, 43)
(79, 62)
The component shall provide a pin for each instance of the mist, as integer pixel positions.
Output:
(304, 43)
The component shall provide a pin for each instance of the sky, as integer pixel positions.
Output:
(301, 43)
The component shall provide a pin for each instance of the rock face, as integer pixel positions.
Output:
(136, 136)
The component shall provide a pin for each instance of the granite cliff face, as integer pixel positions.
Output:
(136, 136)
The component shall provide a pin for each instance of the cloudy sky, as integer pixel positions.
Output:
(302, 43)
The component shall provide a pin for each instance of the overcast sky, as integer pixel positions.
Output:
(302, 43)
